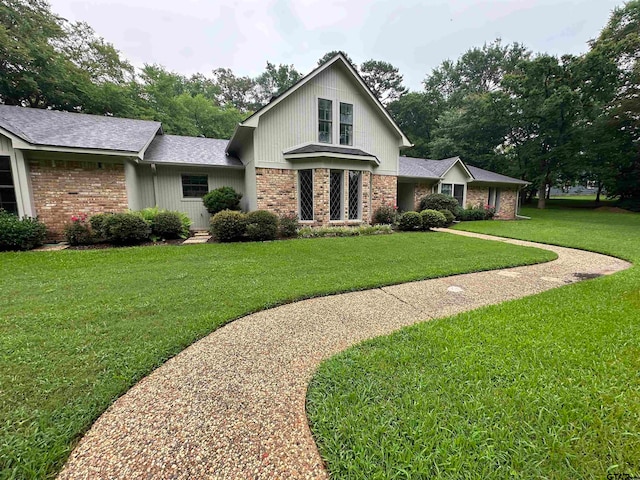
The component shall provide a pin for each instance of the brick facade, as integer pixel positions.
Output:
(65, 188)
(384, 191)
(421, 190)
(479, 196)
(276, 190)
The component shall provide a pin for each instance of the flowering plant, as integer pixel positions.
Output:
(78, 232)
(80, 218)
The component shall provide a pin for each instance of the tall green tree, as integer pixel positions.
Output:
(384, 80)
(234, 90)
(274, 80)
(416, 114)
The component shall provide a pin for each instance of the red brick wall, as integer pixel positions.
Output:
(421, 190)
(65, 188)
(384, 191)
(479, 197)
(276, 190)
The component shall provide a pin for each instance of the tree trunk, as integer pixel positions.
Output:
(599, 192)
(542, 194)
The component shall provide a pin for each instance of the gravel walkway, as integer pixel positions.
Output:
(233, 404)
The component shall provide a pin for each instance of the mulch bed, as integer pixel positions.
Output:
(101, 246)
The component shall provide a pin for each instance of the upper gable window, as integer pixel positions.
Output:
(325, 123)
(346, 124)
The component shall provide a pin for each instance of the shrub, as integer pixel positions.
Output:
(223, 198)
(98, 226)
(20, 233)
(78, 232)
(125, 228)
(228, 225)
(439, 201)
(288, 226)
(262, 225)
(475, 213)
(448, 215)
(309, 232)
(410, 221)
(385, 215)
(167, 225)
(150, 214)
(432, 219)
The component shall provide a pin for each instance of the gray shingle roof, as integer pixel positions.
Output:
(481, 175)
(315, 148)
(190, 150)
(77, 130)
(434, 169)
(424, 167)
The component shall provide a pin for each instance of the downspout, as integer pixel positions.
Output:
(154, 177)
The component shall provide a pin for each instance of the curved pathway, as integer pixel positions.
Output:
(233, 404)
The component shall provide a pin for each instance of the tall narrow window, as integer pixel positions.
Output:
(355, 194)
(458, 193)
(335, 195)
(325, 122)
(8, 199)
(305, 190)
(447, 189)
(494, 198)
(346, 124)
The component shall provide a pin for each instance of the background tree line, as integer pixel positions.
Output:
(549, 120)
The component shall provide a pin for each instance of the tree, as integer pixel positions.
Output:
(233, 90)
(329, 55)
(544, 112)
(274, 81)
(416, 114)
(384, 80)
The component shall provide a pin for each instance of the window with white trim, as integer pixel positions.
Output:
(325, 120)
(346, 124)
(8, 200)
(195, 186)
(305, 194)
(456, 190)
(355, 195)
(335, 195)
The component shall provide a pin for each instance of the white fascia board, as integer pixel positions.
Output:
(296, 156)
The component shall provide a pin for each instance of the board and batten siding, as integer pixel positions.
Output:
(457, 175)
(169, 185)
(294, 122)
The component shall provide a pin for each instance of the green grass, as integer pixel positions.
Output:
(543, 387)
(78, 328)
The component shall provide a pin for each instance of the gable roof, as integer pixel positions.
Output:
(481, 175)
(252, 120)
(175, 149)
(436, 169)
(77, 130)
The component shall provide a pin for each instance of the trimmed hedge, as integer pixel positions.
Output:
(261, 225)
(310, 232)
(228, 225)
(473, 214)
(448, 215)
(432, 219)
(125, 228)
(20, 233)
(288, 226)
(385, 215)
(78, 233)
(439, 201)
(223, 198)
(410, 221)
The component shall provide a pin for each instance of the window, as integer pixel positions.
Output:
(335, 195)
(494, 198)
(355, 193)
(195, 186)
(325, 122)
(455, 190)
(346, 124)
(8, 199)
(305, 190)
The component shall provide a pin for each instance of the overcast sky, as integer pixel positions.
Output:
(190, 36)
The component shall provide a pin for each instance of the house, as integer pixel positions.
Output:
(325, 150)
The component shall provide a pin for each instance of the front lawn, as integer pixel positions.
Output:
(543, 387)
(78, 328)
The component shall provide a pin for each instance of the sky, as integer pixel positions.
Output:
(190, 36)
